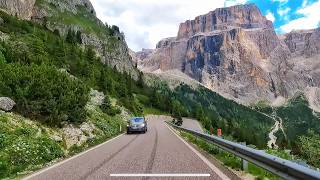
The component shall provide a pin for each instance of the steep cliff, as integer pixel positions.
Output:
(247, 16)
(79, 16)
(236, 52)
(20, 8)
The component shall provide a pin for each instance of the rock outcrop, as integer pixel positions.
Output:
(303, 42)
(246, 16)
(20, 8)
(96, 98)
(236, 52)
(6, 104)
(62, 15)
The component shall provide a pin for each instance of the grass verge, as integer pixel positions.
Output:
(27, 146)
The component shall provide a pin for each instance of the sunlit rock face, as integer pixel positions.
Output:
(244, 16)
(236, 52)
(20, 8)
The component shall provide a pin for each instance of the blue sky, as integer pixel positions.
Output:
(286, 11)
(145, 22)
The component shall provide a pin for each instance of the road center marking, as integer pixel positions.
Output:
(160, 175)
(205, 160)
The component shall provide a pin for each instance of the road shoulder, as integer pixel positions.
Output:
(219, 170)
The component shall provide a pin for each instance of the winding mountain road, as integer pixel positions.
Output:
(158, 154)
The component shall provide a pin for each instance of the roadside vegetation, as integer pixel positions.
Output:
(233, 161)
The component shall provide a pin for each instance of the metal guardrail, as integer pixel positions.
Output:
(284, 168)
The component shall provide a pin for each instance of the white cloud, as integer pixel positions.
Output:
(281, 1)
(304, 3)
(310, 19)
(270, 16)
(145, 22)
(283, 11)
(234, 2)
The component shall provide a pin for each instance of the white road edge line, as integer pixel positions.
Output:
(205, 160)
(160, 175)
(71, 158)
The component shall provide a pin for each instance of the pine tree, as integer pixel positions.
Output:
(78, 37)
(71, 37)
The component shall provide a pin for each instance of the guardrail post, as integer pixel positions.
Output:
(244, 163)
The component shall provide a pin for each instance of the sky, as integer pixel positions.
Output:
(145, 22)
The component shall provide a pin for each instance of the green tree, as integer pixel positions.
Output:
(108, 108)
(309, 146)
(71, 37)
(2, 58)
(78, 37)
(44, 93)
(178, 110)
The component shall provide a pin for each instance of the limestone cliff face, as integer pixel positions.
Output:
(246, 16)
(236, 52)
(20, 8)
(78, 15)
(303, 43)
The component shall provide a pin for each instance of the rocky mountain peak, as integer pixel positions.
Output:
(236, 52)
(243, 16)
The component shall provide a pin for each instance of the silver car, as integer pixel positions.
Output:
(137, 124)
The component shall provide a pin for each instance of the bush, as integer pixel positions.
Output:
(107, 108)
(23, 147)
(44, 93)
(2, 58)
(27, 153)
(309, 146)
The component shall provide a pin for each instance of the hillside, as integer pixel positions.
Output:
(74, 85)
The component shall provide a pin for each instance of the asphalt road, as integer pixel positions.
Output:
(159, 151)
(192, 124)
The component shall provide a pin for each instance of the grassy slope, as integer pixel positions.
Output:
(83, 19)
(28, 145)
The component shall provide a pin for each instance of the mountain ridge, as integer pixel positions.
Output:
(236, 52)
(59, 17)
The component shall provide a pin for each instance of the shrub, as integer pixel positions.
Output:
(107, 108)
(44, 93)
(309, 146)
